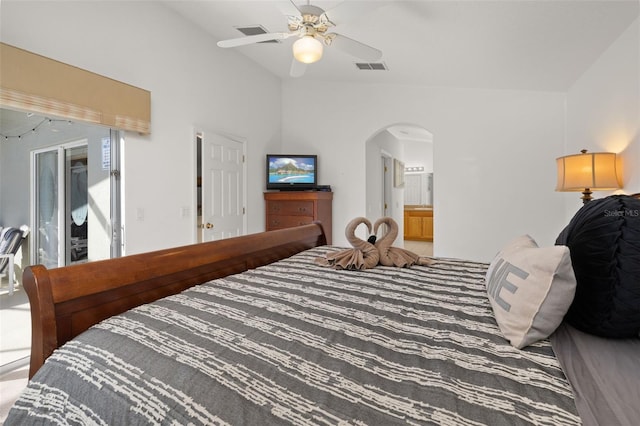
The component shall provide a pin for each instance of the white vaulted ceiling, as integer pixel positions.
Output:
(508, 44)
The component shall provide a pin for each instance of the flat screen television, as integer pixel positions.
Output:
(292, 172)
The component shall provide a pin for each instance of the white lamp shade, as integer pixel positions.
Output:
(592, 170)
(307, 50)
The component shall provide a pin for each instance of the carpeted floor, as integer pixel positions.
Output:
(11, 384)
(15, 346)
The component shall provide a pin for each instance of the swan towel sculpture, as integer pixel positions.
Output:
(370, 253)
(363, 255)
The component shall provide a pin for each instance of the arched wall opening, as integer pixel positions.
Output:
(399, 174)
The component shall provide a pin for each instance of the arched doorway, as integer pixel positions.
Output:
(399, 176)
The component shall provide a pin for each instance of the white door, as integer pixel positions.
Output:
(47, 217)
(223, 187)
(60, 204)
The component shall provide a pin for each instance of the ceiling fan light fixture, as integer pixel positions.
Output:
(307, 49)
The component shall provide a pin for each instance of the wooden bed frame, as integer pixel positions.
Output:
(68, 300)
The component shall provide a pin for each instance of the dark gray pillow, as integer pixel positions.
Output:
(604, 240)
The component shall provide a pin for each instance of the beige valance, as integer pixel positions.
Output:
(47, 87)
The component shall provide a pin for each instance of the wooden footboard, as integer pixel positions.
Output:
(66, 301)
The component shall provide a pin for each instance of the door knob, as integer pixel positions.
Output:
(209, 225)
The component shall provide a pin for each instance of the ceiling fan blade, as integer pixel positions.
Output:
(289, 8)
(297, 68)
(355, 48)
(242, 41)
(349, 11)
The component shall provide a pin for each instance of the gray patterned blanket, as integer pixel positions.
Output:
(296, 343)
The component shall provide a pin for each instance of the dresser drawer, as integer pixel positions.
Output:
(288, 209)
(284, 221)
(291, 208)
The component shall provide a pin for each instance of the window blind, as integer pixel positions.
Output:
(45, 86)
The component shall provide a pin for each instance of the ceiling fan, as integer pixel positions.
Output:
(311, 25)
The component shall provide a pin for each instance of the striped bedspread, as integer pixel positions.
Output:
(296, 343)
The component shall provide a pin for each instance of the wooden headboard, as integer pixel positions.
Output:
(68, 300)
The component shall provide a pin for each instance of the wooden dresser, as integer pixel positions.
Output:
(285, 209)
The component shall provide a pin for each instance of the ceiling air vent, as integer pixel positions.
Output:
(255, 30)
(371, 66)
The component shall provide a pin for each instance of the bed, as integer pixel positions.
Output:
(252, 330)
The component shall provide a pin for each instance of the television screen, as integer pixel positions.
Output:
(292, 172)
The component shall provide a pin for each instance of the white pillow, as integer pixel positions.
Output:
(530, 289)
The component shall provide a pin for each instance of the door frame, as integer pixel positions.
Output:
(386, 183)
(116, 138)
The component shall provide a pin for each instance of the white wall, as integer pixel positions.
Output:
(379, 144)
(603, 111)
(494, 155)
(192, 83)
(419, 153)
(494, 151)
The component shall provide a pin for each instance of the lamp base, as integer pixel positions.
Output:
(586, 196)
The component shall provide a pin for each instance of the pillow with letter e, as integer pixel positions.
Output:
(604, 239)
(530, 289)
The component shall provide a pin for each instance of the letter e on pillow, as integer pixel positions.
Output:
(501, 282)
(530, 289)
